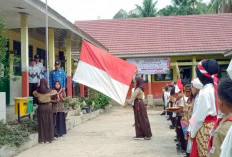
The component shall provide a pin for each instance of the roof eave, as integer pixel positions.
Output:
(168, 54)
(228, 53)
(56, 16)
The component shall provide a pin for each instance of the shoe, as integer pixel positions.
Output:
(147, 138)
(162, 114)
(171, 127)
(176, 140)
(137, 138)
(168, 119)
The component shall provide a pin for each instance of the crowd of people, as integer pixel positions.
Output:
(50, 99)
(201, 113)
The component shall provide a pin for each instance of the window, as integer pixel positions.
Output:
(17, 53)
(145, 77)
(223, 72)
(164, 77)
(42, 55)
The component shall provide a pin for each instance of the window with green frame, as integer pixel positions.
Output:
(17, 53)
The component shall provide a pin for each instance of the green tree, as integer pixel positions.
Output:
(3, 50)
(133, 14)
(121, 14)
(184, 7)
(220, 6)
(148, 8)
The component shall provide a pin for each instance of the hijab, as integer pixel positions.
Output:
(139, 83)
(210, 66)
(43, 87)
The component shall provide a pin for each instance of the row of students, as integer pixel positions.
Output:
(210, 113)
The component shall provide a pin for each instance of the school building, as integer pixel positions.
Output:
(25, 29)
(184, 39)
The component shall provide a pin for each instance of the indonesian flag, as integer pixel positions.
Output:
(179, 86)
(108, 74)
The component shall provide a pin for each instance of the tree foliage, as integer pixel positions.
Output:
(184, 7)
(220, 6)
(148, 8)
(121, 14)
(3, 41)
(3, 50)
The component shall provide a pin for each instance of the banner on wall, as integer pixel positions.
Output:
(151, 65)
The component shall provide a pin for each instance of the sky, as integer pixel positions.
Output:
(96, 9)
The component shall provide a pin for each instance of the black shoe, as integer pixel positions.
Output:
(176, 140)
(168, 119)
(162, 114)
(171, 127)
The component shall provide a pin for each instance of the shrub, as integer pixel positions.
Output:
(29, 125)
(12, 135)
(101, 101)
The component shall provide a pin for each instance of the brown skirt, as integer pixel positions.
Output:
(45, 120)
(142, 124)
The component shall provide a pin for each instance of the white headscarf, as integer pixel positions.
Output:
(197, 83)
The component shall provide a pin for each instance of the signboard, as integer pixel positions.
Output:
(151, 65)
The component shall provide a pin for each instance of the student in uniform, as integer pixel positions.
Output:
(142, 124)
(205, 114)
(223, 125)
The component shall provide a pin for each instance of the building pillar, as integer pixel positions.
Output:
(69, 67)
(82, 90)
(24, 55)
(194, 75)
(150, 96)
(51, 48)
(174, 73)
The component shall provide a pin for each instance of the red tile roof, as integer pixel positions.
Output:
(194, 33)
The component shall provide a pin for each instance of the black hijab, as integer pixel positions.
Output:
(43, 87)
(211, 66)
(139, 83)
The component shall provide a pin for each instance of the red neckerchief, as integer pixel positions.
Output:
(58, 93)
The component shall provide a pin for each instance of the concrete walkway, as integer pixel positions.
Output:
(110, 135)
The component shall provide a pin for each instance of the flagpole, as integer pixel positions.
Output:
(47, 57)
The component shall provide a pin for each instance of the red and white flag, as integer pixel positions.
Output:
(104, 72)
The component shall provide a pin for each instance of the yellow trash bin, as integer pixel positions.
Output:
(22, 101)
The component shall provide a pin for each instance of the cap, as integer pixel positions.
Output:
(57, 63)
(37, 57)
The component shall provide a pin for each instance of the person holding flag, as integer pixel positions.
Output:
(142, 124)
(205, 114)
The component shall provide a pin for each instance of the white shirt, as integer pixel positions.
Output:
(40, 66)
(166, 97)
(226, 147)
(205, 106)
(34, 74)
(132, 91)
